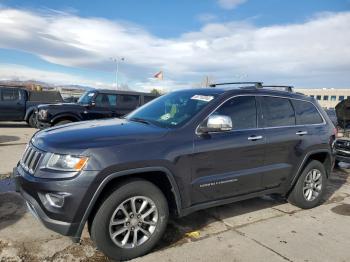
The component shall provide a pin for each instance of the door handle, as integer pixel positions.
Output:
(254, 138)
(301, 133)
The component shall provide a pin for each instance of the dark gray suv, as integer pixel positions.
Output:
(182, 152)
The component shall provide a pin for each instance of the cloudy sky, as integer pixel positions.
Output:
(299, 42)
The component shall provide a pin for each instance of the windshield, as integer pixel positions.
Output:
(173, 109)
(86, 98)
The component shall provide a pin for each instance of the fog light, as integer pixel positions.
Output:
(55, 200)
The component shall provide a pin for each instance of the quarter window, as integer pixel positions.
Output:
(306, 113)
(242, 111)
(277, 112)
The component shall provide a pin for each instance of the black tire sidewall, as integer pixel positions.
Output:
(100, 224)
(297, 195)
(31, 121)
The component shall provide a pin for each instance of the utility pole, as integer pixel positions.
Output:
(117, 60)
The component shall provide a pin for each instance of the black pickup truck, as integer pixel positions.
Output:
(94, 104)
(18, 104)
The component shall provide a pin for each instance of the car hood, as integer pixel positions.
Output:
(76, 137)
(60, 106)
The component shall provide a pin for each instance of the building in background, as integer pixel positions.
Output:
(326, 97)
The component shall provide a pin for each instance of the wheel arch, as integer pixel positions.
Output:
(323, 156)
(66, 116)
(29, 112)
(161, 177)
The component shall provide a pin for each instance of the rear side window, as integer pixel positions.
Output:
(130, 101)
(242, 111)
(277, 112)
(9, 94)
(306, 113)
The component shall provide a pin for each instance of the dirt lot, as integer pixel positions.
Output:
(262, 229)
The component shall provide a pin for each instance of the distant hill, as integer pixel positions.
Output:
(32, 84)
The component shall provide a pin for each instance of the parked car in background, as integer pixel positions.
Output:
(94, 104)
(342, 144)
(18, 104)
(185, 151)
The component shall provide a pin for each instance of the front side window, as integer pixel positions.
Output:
(103, 100)
(86, 98)
(9, 94)
(242, 111)
(173, 109)
(306, 113)
(277, 112)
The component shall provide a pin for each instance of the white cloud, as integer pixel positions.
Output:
(16, 72)
(230, 4)
(313, 53)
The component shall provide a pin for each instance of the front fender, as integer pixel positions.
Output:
(124, 173)
(65, 115)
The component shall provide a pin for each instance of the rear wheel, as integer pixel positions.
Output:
(310, 187)
(63, 122)
(130, 221)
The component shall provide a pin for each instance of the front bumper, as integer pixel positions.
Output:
(67, 219)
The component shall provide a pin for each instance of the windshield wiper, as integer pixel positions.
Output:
(140, 120)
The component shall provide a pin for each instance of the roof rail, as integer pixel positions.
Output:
(256, 84)
(286, 88)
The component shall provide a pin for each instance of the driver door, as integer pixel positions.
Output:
(230, 163)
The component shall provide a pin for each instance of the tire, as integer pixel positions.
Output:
(63, 122)
(32, 121)
(102, 230)
(303, 198)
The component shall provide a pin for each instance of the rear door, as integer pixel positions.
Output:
(12, 104)
(227, 164)
(283, 144)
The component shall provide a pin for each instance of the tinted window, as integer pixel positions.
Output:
(325, 98)
(112, 99)
(242, 111)
(277, 112)
(9, 94)
(147, 99)
(306, 113)
(341, 98)
(128, 100)
(318, 97)
(102, 100)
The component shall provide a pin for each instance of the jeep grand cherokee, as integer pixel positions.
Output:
(182, 152)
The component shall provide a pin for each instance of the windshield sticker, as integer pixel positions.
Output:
(165, 117)
(202, 98)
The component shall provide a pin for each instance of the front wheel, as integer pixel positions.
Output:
(32, 121)
(130, 221)
(310, 187)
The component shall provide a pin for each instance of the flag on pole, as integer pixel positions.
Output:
(159, 75)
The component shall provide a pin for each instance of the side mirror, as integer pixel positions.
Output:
(216, 123)
(92, 104)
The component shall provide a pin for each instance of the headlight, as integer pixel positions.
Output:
(42, 114)
(66, 162)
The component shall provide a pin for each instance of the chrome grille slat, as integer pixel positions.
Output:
(31, 159)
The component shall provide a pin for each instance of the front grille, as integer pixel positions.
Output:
(343, 144)
(31, 159)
